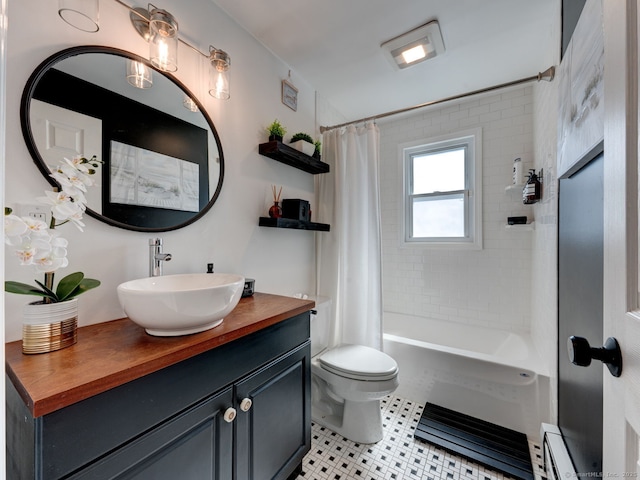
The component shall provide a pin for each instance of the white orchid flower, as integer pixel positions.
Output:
(14, 241)
(50, 254)
(58, 242)
(36, 227)
(62, 205)
(78, 163)
(78, 170)
(80, 200)
(71, 186)
(26, 256)
(41, 243)
(66, 211)
(31, 247)
(43, 262)
(50, 262)
(14, 228)
(76, 218)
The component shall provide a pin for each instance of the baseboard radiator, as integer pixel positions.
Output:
(557, 462)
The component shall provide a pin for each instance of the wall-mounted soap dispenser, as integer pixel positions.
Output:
(532, 191)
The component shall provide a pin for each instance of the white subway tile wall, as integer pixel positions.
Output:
(489, 287)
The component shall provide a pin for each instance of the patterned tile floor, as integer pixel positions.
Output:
(397, 457)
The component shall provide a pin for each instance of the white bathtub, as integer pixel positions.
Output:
(490, 374)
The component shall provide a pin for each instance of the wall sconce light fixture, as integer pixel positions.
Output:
(219, 82)
(81, 14)
(160, 29)
(163, 40)
(139, 75)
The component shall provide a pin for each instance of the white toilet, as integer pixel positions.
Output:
(348, 382)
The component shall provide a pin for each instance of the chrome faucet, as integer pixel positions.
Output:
(156, 257)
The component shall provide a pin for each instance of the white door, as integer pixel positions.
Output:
(60, 133)
(621, 248)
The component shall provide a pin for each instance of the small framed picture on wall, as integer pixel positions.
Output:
(289, 95)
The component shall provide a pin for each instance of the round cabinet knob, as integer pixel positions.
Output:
(581, 353)
(229, 415)
(245, 404)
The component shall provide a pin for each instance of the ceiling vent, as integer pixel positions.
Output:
(415, 46)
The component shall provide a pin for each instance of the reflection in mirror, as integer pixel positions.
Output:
(163, 163)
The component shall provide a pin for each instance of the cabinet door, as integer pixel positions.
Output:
(194, 445)
(273, 436)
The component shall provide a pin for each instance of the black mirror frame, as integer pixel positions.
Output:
(27, 133)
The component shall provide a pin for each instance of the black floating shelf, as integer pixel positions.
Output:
(292, 157)
(292, 223)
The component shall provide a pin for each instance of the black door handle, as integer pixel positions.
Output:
(581, 353)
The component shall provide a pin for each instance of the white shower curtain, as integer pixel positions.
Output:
(349, 259)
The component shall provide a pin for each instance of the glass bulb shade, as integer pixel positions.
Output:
(163, 52)
(139, 75)
(189, 104)
(163, 40)
(219, 83)
(81, 14)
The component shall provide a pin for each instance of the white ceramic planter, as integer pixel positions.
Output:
(304, 147)
(47, 327)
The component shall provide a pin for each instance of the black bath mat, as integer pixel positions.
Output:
(482, 442)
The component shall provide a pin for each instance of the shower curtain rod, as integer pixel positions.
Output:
(547, 75)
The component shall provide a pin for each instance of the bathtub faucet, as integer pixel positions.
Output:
(156, 257)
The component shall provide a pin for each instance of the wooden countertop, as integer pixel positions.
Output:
(112, 353)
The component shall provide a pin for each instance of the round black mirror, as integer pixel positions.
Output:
(163, 163)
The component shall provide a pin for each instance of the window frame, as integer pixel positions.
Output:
(471, 141)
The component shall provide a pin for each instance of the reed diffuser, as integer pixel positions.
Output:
(275, 211)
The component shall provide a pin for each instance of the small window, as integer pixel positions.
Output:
(442, 201)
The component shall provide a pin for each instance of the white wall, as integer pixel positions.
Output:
(489, 287)
(280, 260)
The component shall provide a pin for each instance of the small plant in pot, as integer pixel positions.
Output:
(276, 131)
(318, 147)
(303, 142)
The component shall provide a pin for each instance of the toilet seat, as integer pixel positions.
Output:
(359, 363)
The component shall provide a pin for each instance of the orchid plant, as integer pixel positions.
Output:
(39, 245)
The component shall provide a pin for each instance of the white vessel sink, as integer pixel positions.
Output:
(183, 304)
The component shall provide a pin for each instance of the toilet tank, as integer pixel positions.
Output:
(320, 325)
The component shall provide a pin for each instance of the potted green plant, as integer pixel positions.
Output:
(276, 131)
(303, 143)
(318, 147)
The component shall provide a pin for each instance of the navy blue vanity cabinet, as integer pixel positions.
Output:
(240, 411)
(273, 434)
